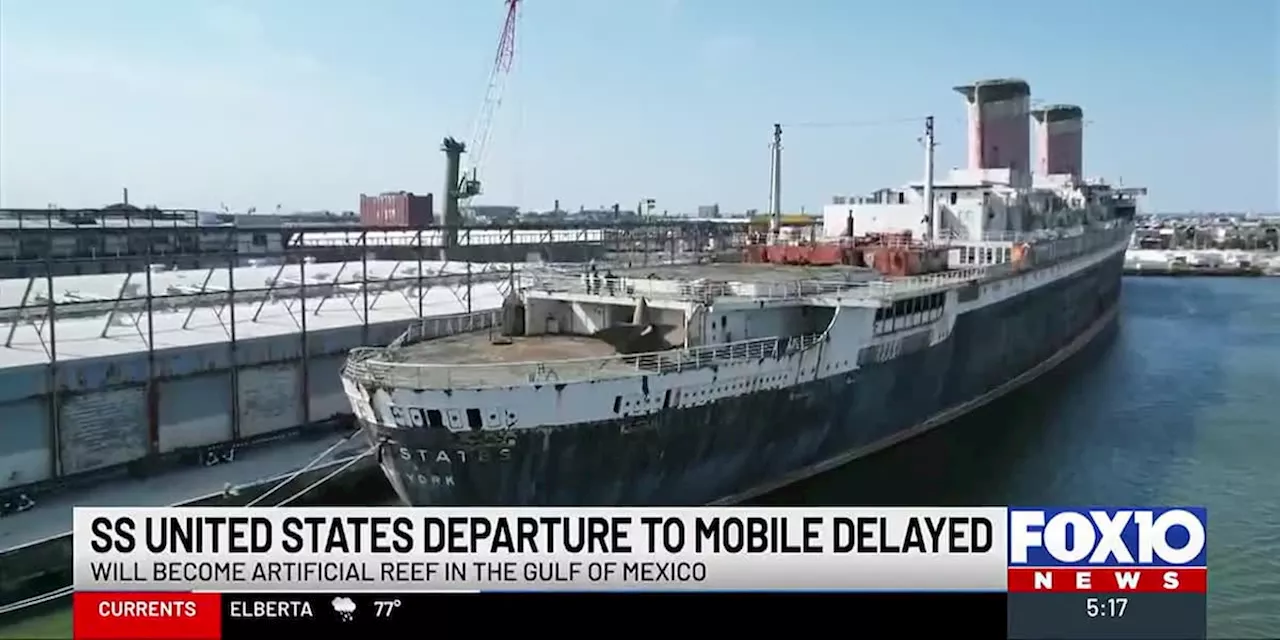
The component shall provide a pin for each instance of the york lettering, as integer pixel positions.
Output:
(451, 456)
(429, 479)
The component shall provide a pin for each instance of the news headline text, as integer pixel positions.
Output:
(521, 535)
(525, 549)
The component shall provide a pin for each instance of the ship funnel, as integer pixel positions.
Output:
(999, 126)
(1059, 140)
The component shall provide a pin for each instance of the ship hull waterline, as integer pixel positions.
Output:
(742, 447)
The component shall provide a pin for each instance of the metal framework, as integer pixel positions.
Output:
(305, 279)
(308, 249)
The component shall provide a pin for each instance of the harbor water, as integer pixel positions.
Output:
(1176, 405)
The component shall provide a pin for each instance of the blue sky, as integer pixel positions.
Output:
(193, 103)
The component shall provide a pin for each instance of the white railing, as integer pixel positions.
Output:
(629, 286)
(1042, 235)
(441, 326)
(364, 365)
(708, 290)
(894, 288)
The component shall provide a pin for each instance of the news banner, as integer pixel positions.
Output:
(212, 573)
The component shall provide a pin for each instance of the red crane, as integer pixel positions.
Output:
(492, 98)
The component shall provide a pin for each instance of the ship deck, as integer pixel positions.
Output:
(480, 362)
(476, 360)
(700, 282)
(480, 348)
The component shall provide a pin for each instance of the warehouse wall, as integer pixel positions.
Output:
(109, 415)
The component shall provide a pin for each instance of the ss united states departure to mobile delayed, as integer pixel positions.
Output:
(715, 382)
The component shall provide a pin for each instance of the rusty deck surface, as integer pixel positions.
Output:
(479, 348)
(482, 363)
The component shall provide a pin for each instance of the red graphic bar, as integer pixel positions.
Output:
(1109, 580)
(147, 616)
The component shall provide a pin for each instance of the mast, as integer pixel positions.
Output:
(930, 214)
(775, 187)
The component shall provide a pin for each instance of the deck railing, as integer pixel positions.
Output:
(708, 290)
(441, 326)
(370, 366)
(629, 286)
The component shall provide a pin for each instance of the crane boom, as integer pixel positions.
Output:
(492, 98)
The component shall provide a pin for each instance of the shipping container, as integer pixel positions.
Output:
(396, 209)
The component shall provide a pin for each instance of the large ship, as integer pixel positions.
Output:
(687, 384)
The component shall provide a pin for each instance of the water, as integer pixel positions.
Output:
(1178, 404)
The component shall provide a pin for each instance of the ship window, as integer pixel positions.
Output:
(473, 419)
(902, 197)
(435, 419)
(954, 197)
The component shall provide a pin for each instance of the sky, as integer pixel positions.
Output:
(305, 104)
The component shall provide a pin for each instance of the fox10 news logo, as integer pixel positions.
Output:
(1107, 550)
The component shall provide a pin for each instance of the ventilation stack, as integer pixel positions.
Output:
(1059, 140)
(451, 212)
(999, 126)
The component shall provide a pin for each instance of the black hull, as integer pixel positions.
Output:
(741, 446)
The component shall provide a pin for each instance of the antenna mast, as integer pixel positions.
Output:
(930, 215)
(775, 187)
(469, 184)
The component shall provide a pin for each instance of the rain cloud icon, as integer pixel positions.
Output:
(345, 608)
